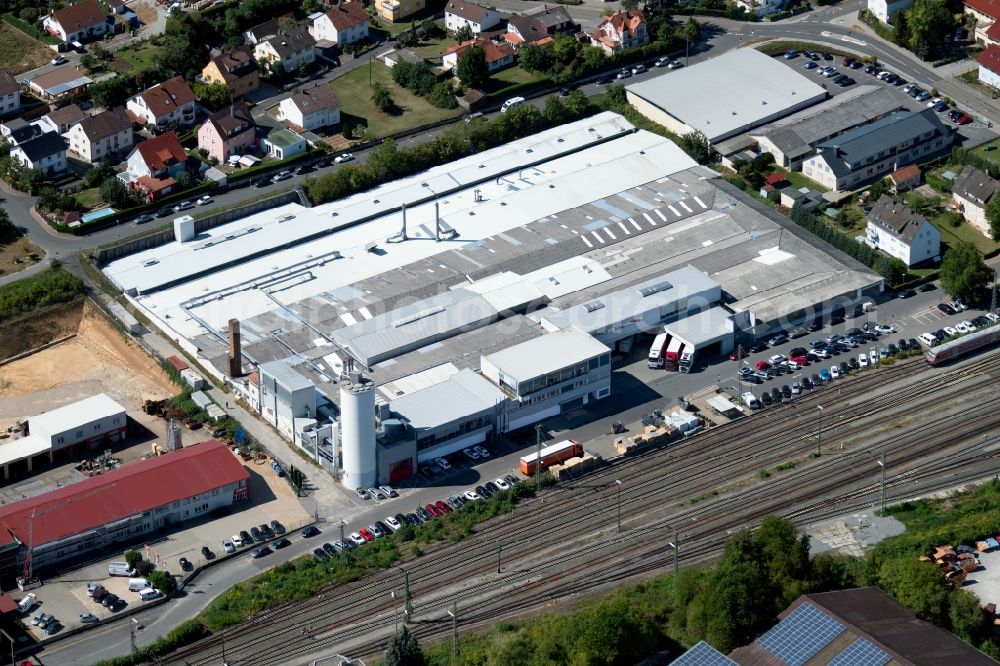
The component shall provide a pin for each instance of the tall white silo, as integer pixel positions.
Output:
(357, 430)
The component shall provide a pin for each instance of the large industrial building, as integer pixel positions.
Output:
(481, 296)
(725, 95)
(118, 508)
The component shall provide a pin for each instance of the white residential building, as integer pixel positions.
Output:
(108, 134)
(10, 94)
(292, 48)
(47, 153)
(80, 22)
(311, 108)
(346, 23)
(901, 233)
(458, 14)
(884, 10)
(165, 103)
(972, 193)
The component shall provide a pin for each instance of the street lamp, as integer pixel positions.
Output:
(342, 549)
(675, 544)
(619, 504)
(881, 463)
(454, 629)
(131, 631)
(819, 433)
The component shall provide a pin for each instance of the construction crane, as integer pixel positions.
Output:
(27, 570)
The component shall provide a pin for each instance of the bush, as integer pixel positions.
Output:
(162, 581)
(132, 558)
(53, 285)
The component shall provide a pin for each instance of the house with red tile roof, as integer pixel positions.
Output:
(621, 31)
(986, 13)
(81, 22)
(121, 507)
(154, 165)
(170, 102)
(346, 23)
(498, 54)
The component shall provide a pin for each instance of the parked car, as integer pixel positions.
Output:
(442, 463)
(88, 618)
(262, 181)
(675, 64)
(281, 543)
(321, 554)
(388, 491)
(639, 69)
(204, 201)
(791, 53)
(247, 539)
(304, 168)
(261, 552)
(184, 205)
(624, 74)
(906, 293)
(963, 119)
(662, 62)
(277, 527)
(281, 175)
(185, 564)
(310, 531)
(362, 493)
(59, 60)
(143, 219)
(347, 157)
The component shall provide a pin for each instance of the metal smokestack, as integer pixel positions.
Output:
(437, 222)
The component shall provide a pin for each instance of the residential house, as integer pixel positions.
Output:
(77, 23)
(290, 44)
(621, 31)
(10, 94)
(61, 83)
(165, 104)
(17, 130)
(885, 10)
(282, 143)
(761, 8)
(875, 150)
(537, 25)
(108, 134)
(346, 23)
(236, 69)
(986, 13)
(498, 54)
(311, 108)
(459, 14)
(231, 131)
(804, 197)
(46, 152)
(260, 32)
(902, 233)
(989, 66)
(154, 165)
(905, 179)
(62, 119)
(972, 192)
(395, 10)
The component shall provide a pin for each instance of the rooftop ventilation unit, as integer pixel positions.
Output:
(593, 306)
(417, 316)
(655, 289)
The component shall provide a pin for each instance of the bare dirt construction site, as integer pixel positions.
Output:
(98, 359)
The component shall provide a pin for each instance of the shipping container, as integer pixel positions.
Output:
(177, 363)
(673, 354)
(551, 455)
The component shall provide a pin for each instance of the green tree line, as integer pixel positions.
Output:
(53, 285)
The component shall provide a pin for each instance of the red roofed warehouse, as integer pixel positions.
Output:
(119, 508)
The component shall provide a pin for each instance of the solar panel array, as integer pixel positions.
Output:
(861, 653)
(801, 635)
(703, 654)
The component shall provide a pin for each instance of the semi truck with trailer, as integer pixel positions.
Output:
(551, 455)
(657, 350)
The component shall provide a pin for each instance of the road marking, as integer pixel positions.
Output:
(635, 224)
(597, 237)
(608, 232)
(625, 229)
(685, 206)
(674, 211)
(589, 244)
(701, 203)
(649, 219)
(662, 216)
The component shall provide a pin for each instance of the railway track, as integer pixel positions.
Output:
(580, 508)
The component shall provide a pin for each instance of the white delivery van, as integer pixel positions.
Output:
(148, 593)
(511, 103)
(25, 604)
(120, 569)
(751, 401)
(137, 584)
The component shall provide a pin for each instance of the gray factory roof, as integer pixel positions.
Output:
(546, 354)
(284, 374)
(633, 301)
(887, 134)
(462, 395)
(416, 324)
(728, 93)
(798, 134)
(703, 328)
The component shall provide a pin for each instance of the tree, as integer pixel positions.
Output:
(929, 22)
(404, 650)
(99, 173)
(535, 58)
(6, 226)
(214, 96)
(964, 274)
(132, 558)
(472, 69)
(382, 98)
(162, 581)
(183, 180)
(555, 111)
(113, 91)
(514, 649)
(901, 29)
(613, 632)
(463, 34)
(993, 217)
(696, 145)
(88, 61)
(917, 585)
(691, 32)
(115, 192)
(630, 5)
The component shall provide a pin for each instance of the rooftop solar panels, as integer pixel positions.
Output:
(703, 654)
(797, 638)
(861, 653)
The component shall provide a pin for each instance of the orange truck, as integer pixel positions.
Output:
(551, 455)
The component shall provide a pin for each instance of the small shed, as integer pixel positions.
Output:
(201, 399)
(905, 178)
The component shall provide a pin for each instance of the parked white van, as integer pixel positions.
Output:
(137, 584)
(148, 594)
(751, 401)
(25, 604)
(120, 569)
(511, 103)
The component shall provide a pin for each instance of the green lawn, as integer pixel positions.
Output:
(142, 56)
(514, 75)
(89, 197)
(433, 49)
(798, 181)
(989, 155)
(355, 99)
(964, 232)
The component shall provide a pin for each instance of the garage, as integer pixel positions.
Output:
(707, 334)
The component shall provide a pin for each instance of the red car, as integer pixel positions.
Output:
(963, 119)
(433, 510)
(763, 365)
(444, 508)
(801, 360)
(738, 354)
(366, 534)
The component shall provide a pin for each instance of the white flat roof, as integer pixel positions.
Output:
(13, 450)
(308, 269)
(546, 354)
(730, 92)
(78, 413)
(460, 396)
(703, 328)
